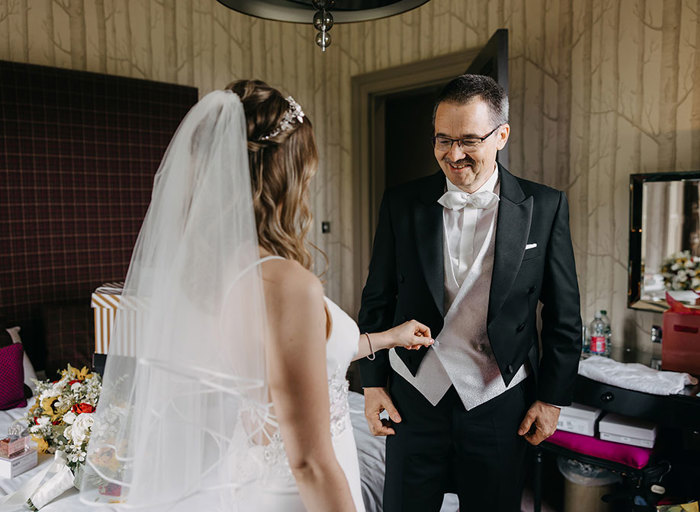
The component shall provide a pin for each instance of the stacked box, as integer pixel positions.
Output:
(579, 419)
(18, 464)
(626, 430)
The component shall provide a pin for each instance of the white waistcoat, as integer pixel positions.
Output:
(462, 354)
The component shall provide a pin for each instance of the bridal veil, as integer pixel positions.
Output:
(181, 407)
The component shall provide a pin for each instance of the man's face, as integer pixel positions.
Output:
(468, 168)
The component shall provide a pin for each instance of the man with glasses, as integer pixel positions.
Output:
(470, 251)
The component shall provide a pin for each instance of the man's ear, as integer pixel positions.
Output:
(502, 136)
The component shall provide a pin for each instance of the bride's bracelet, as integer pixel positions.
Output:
(371, 355)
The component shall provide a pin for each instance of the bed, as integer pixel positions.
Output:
(370, 451)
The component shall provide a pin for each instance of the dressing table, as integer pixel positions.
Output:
(677, 452)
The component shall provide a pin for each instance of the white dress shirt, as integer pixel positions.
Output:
(465, 233)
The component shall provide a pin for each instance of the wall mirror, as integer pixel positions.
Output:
(664, 249)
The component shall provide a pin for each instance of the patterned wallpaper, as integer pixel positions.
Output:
(600, 89)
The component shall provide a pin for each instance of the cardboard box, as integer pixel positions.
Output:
(680, 347)
(10, 468)
(626, 430)
(579, 419)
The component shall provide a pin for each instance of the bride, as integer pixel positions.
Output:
(234, 395)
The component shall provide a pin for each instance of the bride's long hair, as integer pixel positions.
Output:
(280, 171)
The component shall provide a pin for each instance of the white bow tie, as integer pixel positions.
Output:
(457, 200)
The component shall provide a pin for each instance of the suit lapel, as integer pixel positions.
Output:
(512, 231)
(429, 229)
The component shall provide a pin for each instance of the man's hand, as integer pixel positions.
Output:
(540, 422)
(376, 401)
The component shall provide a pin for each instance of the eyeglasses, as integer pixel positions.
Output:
(443, 143)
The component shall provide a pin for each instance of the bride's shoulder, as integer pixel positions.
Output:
(289, 278)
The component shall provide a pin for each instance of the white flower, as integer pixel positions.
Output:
(69, 417)
(675, 266)
(81, 428)
(42, 421)
(76, 386)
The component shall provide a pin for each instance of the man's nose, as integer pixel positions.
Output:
(456, 152)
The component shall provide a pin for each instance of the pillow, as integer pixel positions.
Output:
(11, 377)
(29, 372)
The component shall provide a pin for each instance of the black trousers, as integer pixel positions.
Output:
(476, 454)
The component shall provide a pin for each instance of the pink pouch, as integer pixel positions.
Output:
(633, 456)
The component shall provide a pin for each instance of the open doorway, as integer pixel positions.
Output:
(408, 151)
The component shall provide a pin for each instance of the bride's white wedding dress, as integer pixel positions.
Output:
(278, 491)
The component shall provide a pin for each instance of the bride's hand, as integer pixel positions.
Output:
(411, 335)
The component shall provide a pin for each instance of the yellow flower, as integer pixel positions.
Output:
(41, 443)
(47, 405)
(76, 374)
(48, 409)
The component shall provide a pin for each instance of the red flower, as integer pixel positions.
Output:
(36, 422)
(56, 422)
(73, 382)
(82, 407)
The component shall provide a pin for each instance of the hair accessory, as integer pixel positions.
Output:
(371, 356)
(293, 114)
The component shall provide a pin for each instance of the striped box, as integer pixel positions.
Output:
(105, 301)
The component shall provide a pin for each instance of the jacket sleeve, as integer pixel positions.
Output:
(379, 296)
(561, 315)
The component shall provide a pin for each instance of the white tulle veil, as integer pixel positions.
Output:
(178, 412)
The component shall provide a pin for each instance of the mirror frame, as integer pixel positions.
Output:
(634, 268)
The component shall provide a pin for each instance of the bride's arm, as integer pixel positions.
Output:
(299, 385)
(411, 335)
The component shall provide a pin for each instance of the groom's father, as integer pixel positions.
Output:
(470, 251)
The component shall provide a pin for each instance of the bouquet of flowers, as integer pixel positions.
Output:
(60, 422)
(681, 271)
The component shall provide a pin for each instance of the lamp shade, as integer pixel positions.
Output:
(302, 11)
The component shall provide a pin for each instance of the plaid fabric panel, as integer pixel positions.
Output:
(69, 331)
(78, 152)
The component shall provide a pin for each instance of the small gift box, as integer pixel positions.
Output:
(680, 348)
(18, 464)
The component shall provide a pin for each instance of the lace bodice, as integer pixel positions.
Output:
(341, 348)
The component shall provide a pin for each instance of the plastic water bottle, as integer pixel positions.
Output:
(597, 339)
(608, 331)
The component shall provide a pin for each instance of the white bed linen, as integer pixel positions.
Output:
(370, 451)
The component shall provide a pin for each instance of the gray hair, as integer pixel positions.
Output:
(464, 88)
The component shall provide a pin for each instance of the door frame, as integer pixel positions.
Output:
(368, 146)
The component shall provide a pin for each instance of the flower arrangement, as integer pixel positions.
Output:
(60, 422)
(681, 271)
(61, 417)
